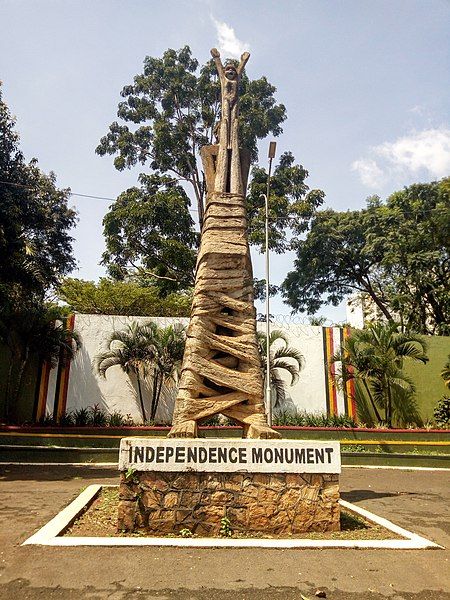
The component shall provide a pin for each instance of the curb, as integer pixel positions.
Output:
(50, 534)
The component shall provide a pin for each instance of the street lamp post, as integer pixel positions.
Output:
(271, 156)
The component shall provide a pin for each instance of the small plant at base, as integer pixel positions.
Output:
(97, 416)
(47, 420)
(130, 473)
(186, 533)
(225, 527)
(67, 419)
(116, 419)
(81, 416)
(129, 421)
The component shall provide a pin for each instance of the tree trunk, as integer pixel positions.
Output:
(388, 405)
(155, 406)
(8, 387)
(141, 400)
(22, 367)
(372, 401)
(154, 393)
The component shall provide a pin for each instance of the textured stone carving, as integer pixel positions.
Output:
(221, 371)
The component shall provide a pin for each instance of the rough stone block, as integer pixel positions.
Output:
(276, 504)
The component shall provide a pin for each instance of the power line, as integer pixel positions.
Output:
(192, 210)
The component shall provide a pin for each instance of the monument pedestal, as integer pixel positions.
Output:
(281, 487)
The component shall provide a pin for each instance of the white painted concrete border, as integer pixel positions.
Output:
(56, 526)
(50, 534)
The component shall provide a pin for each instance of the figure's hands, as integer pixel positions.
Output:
(245, 56)
(215, 53)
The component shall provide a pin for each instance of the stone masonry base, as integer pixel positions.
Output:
(274, 504)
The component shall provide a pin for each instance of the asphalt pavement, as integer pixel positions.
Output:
(31, 495)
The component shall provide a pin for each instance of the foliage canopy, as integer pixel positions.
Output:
(396, 252)
(108, 297)
(35, 220)
(173, 108)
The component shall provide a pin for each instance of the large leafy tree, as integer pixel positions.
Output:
(171, 110)
(35, 245)
(149, 232)
(396, 253)
(291, 203)
(35, 252)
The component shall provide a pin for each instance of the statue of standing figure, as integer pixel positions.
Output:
(221, 370)
(229, 177)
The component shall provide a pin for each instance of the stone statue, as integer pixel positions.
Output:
(221, 370)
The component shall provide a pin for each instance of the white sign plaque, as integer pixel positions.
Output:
(229, 455)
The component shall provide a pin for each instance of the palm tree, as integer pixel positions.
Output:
(130, 349)
(144, 348)
(375, 356)
(167, 349)
(282, 358)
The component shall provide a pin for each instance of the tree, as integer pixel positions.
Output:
(417, 256)
(35, 245)
(35, 252)
(291, 203)
(397, 253)
(143, 349)
(167, 349)
(375, 356)
(130, 349)
(31, 331)
(174, 107)
(109, 297)
(282, 358)
(149, 232)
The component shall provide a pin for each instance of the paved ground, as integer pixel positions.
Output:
(417, 500)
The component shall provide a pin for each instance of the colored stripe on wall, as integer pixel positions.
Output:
(62, 382)
(330, 372)
(43, 389)
(350, 400)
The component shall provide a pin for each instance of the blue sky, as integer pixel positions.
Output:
(366, 85)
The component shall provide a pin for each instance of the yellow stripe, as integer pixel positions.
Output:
(395, 442)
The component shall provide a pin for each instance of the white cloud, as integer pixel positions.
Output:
(227, 42)
(369, 172)
(420, 153)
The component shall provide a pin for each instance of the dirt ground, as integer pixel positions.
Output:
(31, 495)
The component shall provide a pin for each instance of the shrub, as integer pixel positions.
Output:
(303, 419)
(66, 420)
(442, 412)
(81, 416)
(97, 416)
(116, 419)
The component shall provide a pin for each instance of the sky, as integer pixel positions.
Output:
(366, 85)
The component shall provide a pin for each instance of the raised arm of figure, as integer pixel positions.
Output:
(244, 59)
(219, 66)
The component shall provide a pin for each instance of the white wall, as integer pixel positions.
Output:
(118, 392)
